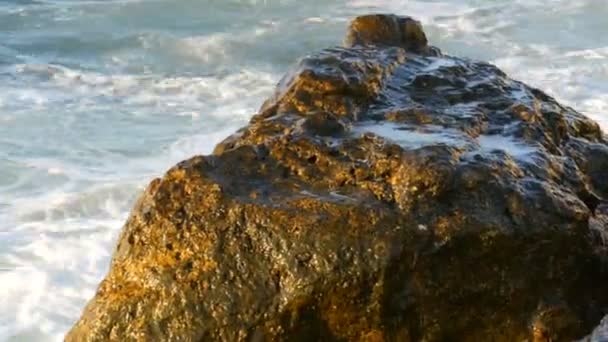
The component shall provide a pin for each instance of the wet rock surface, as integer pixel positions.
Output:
(386, 192)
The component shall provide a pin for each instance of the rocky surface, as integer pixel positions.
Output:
(386, 192)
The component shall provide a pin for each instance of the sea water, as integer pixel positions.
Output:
(97, 97)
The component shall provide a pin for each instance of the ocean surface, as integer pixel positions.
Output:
(97, 97)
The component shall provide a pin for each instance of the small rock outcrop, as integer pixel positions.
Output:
(386, 192)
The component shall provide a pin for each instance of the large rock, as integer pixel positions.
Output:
(386, 192)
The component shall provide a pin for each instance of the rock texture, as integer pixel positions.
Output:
(386, 192)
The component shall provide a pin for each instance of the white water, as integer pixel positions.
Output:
(98, 97)
(414, 137)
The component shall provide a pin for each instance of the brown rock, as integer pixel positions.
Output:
(387, 30)
(385, 193)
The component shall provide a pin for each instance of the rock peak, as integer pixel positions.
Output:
(387, 30)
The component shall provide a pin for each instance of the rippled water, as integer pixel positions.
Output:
(99, 96)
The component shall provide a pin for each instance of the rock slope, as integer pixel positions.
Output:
(386, 192)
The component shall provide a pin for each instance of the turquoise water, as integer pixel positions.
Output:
(98, 97)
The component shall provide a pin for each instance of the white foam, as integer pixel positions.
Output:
(600, 333)
(599, 53)
(316, 20)
(412, 137)
(508, 144)
(463, 110)
(209, 48)
(179, 95)
(43, 289)
(438, 63)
